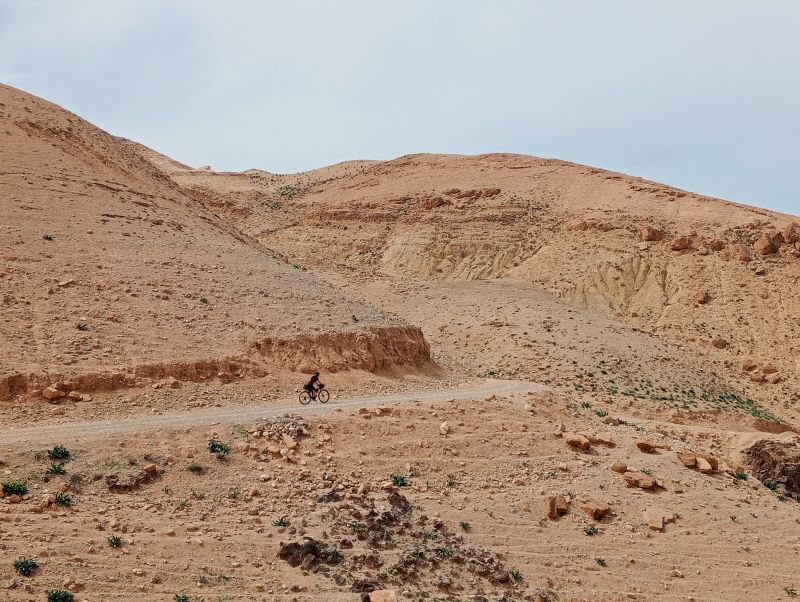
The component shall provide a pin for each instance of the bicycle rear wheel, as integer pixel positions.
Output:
(323, 395)
(305, 397)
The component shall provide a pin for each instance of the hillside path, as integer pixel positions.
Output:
(100, 429)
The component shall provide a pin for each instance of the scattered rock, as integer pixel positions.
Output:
(639, 479)
(764, 245)
(687, 458)
(719, 343)
(52, 393)
(702, 297)
(595, 508)
(704, 466)
(650, 234)
(382, 595)
(619, 467)
(778, 461)
(645, 445)
(555, 506)
(577, 441)
(444, 428)
(680, 244)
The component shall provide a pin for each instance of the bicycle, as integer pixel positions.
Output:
(320, 394)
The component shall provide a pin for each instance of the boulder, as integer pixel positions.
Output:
(712, 460)
(777, 461)
(74, 396)
(655, 520)
(577, 441)
(52, 393)
(595, 508)
(555, 506)
(680, 244)
(645, 445)
(764, 245)
(704, 466)
(601, 439)
(650, 234)
(687, 458)
(791, 233)
(639, 479)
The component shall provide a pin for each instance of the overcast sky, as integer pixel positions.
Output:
(703, 95)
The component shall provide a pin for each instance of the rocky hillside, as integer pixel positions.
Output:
(111, 275)
(716, 278)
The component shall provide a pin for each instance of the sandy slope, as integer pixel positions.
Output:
(94, 234)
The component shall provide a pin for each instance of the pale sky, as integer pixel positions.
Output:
(703, 95)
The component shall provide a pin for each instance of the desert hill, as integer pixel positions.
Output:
(110, 274)
(719, 281)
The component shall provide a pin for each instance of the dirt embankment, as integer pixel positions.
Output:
(376, 349)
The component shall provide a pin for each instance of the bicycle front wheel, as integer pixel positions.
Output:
(323, 396)
(305, 398)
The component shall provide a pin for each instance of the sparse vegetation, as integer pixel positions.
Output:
(515, 575)
(181, 598)
(81, 325)
(59, 595)
(59, 452)
(432, 535)
(771, 485)
(465, 526)
(601, 413)
(204, 300)
(452, 480)
(444, 552)
(600, 561)
(399, 480)
(48, 237)
(355, 527)
(25, 566)
(63, 499)
(591, 530)
(790, 591)
(281, 522)
(14, 488)
(196, 468)
(115, 541)
(218, 448)
(741, 475)
(56, 468)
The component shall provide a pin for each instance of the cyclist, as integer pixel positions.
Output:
(313, 385)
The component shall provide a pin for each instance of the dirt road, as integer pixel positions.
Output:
(99, 429)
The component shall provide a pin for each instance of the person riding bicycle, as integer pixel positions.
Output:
(313, 385)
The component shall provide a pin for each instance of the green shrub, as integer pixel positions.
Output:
(181, 598)
(63, 499)
(59, 452)
(59, 595)
(515, 575)
(399, 480)
(281, 522)
(25, 566)
(57, 468)
(591, 530)
(465, 525)
(115, 541)
(218, 447)
(444, 552)
(14, 488)
(600, 561)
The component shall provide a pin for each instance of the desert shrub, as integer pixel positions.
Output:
(14, 488)
(25, 566)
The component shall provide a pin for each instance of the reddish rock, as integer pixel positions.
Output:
(702, 297)
(52, 393)
(619, 467)
(712, 460)
(791, 233)
(577, 441)
(704, 466)
(645, 445)
(601, 439)
(774, 378)
(769, 368)
(758, 377)
(717, 244)
(742, 252)
(748, 365)
(656, 519)
(74, 396)
(555, 506)
(639, 479)
(595, 508)
(680, 244)
(719, 343)
(650, 234)
(687, 458)
(764, 245)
